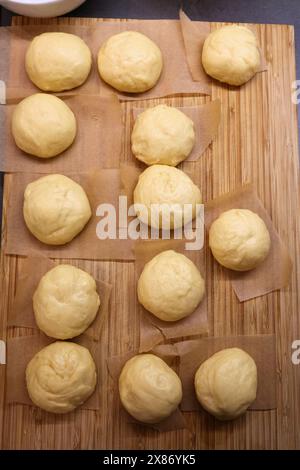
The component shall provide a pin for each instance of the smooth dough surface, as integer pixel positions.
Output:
(61, 377)
(226, 383)
(164, 192)
(130, 62)
(170, 286)
(65, 302)
(55, 209)
(162, 135)
(239, 239)
(231, 54)
(43, 125)
(58, 61)
(149, 389)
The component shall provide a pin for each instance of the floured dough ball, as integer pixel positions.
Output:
(61, 377)
(170, 286)
(239, 239)
(164, 193)
(226, 383)
(130, 62)
(55, 209)
(65, 302)
(58, 61)
(231, 54)
(149, 389)
(162, 135)
(43, 125)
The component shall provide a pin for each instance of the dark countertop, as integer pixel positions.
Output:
(252, 11)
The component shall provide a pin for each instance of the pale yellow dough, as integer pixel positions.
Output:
(226, 383)
(43, 125)
(164, 192)
(61, 377)
(162, 135)
(149, 389)
(65, 302)
(231, 54)
(239, 239)
(170, 286)
(55, 209)
(130, 62)
(58, 61)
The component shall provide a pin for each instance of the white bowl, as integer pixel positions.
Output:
(41, 8)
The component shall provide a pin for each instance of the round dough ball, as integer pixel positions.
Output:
(162, 135)
(55, 209)
(149, 389)
(65, 302)
(61, 377)
(226, 383)
(170, 286)
(58, 61)
(239, 239)
(43, 125)
(130, 62)
(164, 192)
(231, 54)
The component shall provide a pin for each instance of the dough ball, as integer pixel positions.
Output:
(149, 389)
(58, 61)
(130, 62)
(164, 192)
(162, 135)
(226, 383)
(55, 209)
(61, 377)
(231, 54)
(239, 239)
(65, 302)
(43, 125)
(170, 286)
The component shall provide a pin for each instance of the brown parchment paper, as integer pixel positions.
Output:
(262, 348)
(33, 268)
(194, 34)
(206, 118)
(101, 186)
(175, 77)
(168, 354)
(274, 272)
(22, 349)
(153, 330)
(97, 144)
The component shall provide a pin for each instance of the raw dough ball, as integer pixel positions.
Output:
(162, 135)
(65, 302)
(55, 209)
(170, 192)
(226, 383)
(58, 61)
(130, 62)
(61, 377)
(239, 239)
(43, 125)
(149, 389)
(231, 54)
(170, 286)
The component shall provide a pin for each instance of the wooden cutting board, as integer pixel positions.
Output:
(257, 141)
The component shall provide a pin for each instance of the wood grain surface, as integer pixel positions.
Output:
(257, 141)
